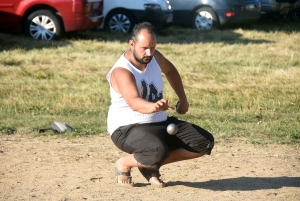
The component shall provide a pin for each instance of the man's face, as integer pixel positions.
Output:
(143, 47)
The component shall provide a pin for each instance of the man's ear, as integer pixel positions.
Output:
(131, 44)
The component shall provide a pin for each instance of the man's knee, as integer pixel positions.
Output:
(153, 157)
(161, 154)
(204, 147)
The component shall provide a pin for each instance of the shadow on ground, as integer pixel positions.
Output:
(173, 34)
(243, 183)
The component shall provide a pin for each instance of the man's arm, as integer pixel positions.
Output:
(175, 81)
(123, 82)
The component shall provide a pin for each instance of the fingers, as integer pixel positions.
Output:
(181, 108)
(171, 108)
(163, 105)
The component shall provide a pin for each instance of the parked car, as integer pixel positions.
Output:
(49, 19)
(122, 15)
(207, 14)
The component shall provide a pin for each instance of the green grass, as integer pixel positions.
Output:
(240, 82)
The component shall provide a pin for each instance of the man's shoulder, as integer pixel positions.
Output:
(123, 61)
(158, 56)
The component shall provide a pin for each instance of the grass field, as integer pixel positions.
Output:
(240, 82)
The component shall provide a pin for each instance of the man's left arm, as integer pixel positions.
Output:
(175, 81)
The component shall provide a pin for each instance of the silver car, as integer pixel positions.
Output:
(122, 15)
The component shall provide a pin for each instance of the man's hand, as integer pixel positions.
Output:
(182, 107)
(162, 105)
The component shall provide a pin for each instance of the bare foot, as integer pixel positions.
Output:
(124, 178)
(155, 181)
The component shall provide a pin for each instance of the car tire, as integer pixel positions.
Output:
(43, 25)
(120, 21)
(205, 19)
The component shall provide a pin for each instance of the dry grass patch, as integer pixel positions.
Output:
(240, 82)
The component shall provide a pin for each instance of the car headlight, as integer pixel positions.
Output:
(152, 7)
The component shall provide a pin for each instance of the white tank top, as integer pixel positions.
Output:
(150, 85)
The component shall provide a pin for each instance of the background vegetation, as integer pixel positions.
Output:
(240, 82)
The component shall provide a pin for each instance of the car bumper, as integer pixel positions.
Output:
(242, 14)
(273, 9)
(157, 18)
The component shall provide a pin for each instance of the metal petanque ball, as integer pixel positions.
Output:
(172, 129)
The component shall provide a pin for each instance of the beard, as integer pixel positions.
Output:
(143, 60)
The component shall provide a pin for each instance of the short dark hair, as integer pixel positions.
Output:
(141, 26)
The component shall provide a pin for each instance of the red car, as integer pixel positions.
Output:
(49, 19)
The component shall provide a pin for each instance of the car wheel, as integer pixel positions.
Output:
(205, 19)
(120, 21)
(43, 25)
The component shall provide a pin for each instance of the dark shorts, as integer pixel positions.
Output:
(150, 142)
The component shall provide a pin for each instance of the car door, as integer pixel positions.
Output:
(182, 10)
(8, 19)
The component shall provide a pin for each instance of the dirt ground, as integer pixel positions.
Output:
(43, 168)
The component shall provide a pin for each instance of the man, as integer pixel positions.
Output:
(137, 117)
